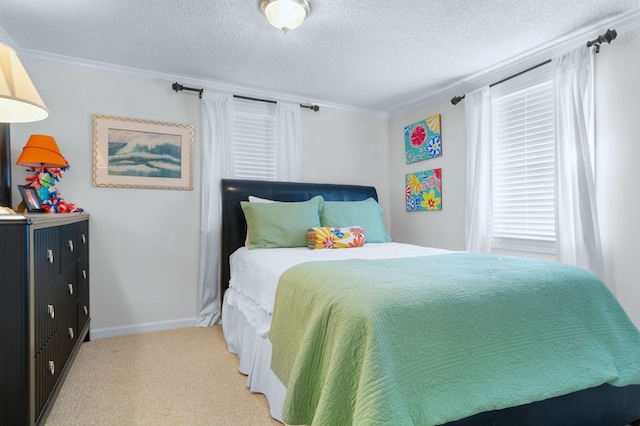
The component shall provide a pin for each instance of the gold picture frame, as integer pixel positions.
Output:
(131, 153)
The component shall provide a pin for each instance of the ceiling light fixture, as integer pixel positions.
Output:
(285, 14)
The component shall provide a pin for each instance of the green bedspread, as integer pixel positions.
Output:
(433, 339)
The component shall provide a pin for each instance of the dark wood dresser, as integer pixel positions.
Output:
(44, 309)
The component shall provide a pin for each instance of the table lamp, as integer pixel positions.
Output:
(19, 103)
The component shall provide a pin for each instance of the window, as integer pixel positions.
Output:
(523, 166)
(254, 140)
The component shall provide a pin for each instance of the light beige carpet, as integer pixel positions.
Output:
(176, 377)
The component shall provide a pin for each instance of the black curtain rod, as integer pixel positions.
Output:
(456, 99)
(311, 107)
(607, 37)
(179, 87)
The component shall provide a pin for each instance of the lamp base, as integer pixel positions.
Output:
(5, 166)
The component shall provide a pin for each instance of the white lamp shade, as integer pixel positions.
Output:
(19, 99)
(285, 14)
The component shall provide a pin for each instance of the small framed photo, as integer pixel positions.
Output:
(30, 198)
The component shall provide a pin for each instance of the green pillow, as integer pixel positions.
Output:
(366, 214)
(282, 224)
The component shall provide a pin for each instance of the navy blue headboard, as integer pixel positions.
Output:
(234, 226)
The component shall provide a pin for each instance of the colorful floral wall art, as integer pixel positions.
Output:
(422, 140)
(423, 190)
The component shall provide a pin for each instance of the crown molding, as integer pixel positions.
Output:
(218, 86)
(4, 38)
(521, 62)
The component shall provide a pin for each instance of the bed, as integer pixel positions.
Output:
(247, 327)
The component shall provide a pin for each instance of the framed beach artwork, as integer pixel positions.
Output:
(422, 140)
(423, 190)
(130, 153)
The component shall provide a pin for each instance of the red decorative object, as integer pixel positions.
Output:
(44, 181)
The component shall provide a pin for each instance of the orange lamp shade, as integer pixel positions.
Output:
(41, 151)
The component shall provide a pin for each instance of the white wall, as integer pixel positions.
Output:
(617, 173)
(347, 148)
(144, 250)
(145, 243)
(443, 228)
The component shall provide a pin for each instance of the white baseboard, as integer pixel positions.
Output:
(101, 333)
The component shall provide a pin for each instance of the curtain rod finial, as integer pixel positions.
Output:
(177, 86)
(456, 99)
(607, 37)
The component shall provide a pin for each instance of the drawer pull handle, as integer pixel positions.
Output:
(70, 245)
(71, 334)
(84, 274)
(70, 289)
(52, 311)
(50, 255)
(84, 239)
(86, 311)
(52, 368)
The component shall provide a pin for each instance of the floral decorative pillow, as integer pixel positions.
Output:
(328, 237)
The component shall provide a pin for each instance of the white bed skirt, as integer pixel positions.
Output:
(254, 352)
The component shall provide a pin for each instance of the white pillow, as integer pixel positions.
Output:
(253, 199)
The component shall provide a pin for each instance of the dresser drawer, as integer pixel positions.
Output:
(48, 305)
(70, 249)
(48, 365)
(69, 288)
(82, 231)
(47, 255)
(83, 274)
(83, 311)
(68, 332)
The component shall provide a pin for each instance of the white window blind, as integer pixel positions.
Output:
(524, 164)
(254, 140)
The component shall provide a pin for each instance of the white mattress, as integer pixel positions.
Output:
(255, 273)
(248, 304)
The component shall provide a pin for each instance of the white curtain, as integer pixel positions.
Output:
(577, 233)
(217, 163)
(289, 142)
(478, 212)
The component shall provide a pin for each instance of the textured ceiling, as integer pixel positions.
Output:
(377, 54)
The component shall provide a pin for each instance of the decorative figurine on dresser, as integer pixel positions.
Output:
(44, 309)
